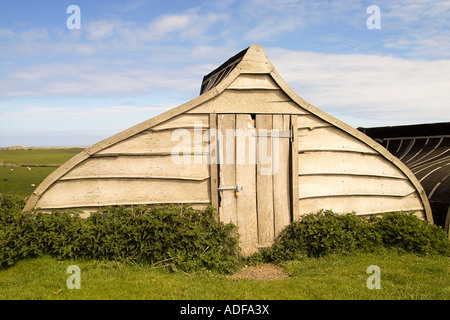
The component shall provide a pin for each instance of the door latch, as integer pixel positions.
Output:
(236, 189)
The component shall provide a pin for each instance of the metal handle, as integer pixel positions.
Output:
(237, 188)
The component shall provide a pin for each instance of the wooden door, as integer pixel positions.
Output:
(254, 176)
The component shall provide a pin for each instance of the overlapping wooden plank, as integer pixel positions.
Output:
(281, 175)
(362, 204)
(264, 175)
(330, 138)
(261, 67)
(326, 185)
(246, 201)
(161, 142)
(181, 167)
(311, 121)
(250, 101)
(346, 163)
(253, 81)
(103, 192)
(184, 120)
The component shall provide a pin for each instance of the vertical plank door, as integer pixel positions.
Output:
(294, 168)
(246, 178)
(255, 156)
(281, 176)
(227, 168)
(264, 183)
(213, 161)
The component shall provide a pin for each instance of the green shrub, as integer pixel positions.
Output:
(325, 232)
(191, 240)
(10, 204)
(406, 232)
(179, 236)
(14, 231)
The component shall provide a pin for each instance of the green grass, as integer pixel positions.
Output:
(19, 180)
(405, 276)
(39, 156)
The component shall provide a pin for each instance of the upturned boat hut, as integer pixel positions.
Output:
(249, 146)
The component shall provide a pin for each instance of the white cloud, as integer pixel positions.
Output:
(192, 24)
(422, 27)
(273, 26)
(266, 19)
(429, 44)
(405, 13)
(6, 33)
(367, 86)
(42, 112)
(98, 30)
(92, 77)
(170, 23)
(132, 5)
(35, 35)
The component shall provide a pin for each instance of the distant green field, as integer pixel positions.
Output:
(39, 156)
(18, 180)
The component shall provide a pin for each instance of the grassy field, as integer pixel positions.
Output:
(404, 276)
(39, 156)
(18, 180)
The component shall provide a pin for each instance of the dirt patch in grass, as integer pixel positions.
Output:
(266, 271)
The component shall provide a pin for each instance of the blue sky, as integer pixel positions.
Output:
(132, 60)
